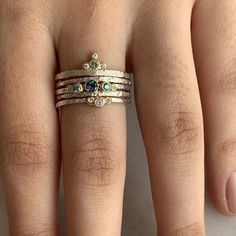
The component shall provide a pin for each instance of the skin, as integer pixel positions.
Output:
(182, 53)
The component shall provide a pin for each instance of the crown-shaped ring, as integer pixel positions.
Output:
(94, 64)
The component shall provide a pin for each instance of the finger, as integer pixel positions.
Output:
(28, 136)
(93, 140)
(215, 52)
(169, 111)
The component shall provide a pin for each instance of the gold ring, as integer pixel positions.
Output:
(98, 79)
(73, 88)
(98, 102)
(93, 84)
(95, 94)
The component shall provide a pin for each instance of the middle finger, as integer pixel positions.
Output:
(169, 111)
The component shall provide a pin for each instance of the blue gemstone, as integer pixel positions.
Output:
(106, 87)
(91, 86)
(77, 87)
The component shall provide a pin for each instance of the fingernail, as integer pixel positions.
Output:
(231, 193)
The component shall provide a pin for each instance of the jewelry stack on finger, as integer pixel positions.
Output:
(94, 85)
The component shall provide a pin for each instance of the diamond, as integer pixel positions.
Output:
(77, 88)
(86, 66)
(106, 86)
(99, 102)
(91, 86)
(95, 56)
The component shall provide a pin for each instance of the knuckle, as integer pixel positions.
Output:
(37, 232)
(26, 152)
(190, 230)
(226, 82)
(26, 15)
(227, 149)
(96, 162)
(180, 133)
(16, 12)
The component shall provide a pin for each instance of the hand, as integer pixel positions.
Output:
(182, 53)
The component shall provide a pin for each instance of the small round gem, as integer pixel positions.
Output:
(114, 87)
(94, 64)
(106, 86)
(90, 100)
(95, 55)
(69, 88)
(77, 87)
(104, 66)
(86, 66)
(99, 102)
(91, 86)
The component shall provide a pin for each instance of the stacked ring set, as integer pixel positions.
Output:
(94, 85)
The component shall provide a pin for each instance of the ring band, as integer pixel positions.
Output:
(94, 85)
(117, 87)
(98, 102)
(98, 79)
(91, 73)
(99, 94)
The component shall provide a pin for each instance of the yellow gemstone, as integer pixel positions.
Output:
(114, 87)
(69, 88)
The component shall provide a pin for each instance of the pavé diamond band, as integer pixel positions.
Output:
(93, 85)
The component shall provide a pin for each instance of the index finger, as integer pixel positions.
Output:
(28, 126)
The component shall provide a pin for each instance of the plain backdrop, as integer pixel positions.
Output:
(138, 217)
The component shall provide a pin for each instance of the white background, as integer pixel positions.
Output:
(138, 210)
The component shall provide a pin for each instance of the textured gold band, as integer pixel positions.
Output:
(98, 102)
(98, 94)
(98, 79)
(92, 73)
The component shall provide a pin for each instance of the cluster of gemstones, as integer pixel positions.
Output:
(93, 85)
(94, 64)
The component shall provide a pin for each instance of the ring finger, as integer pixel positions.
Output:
(93, 139)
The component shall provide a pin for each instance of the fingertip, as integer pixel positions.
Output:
(223, 194)
(231, 193)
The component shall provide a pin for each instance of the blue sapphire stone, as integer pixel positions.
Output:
(91, 86)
